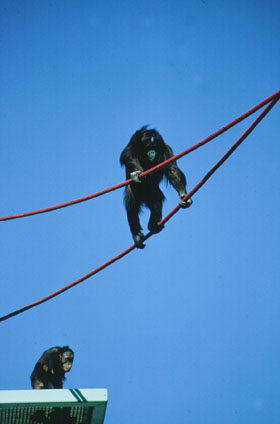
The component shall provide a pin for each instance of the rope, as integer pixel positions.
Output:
(69, 286)
(151, 170)
(64, 205)
(273, 101)
(211, 137)
(223, 159)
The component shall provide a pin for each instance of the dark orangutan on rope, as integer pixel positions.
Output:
(145, 150)
(268, 102)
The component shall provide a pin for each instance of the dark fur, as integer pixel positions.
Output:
(48, 370)
(148, 193)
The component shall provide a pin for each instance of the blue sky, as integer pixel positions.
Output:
(186, 330)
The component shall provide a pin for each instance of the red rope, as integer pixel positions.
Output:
(64, 205)
(273, 101)
(206, 140)
(69, 286)
(155, 168)
(223, 159)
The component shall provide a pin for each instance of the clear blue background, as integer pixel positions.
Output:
(187, 330)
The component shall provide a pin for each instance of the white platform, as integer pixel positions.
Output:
(55, 406)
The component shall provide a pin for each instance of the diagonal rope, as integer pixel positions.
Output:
(69, 286)
(163, 221)
(64, 205)
(274, 96)
(223, 159)
(211, 137)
